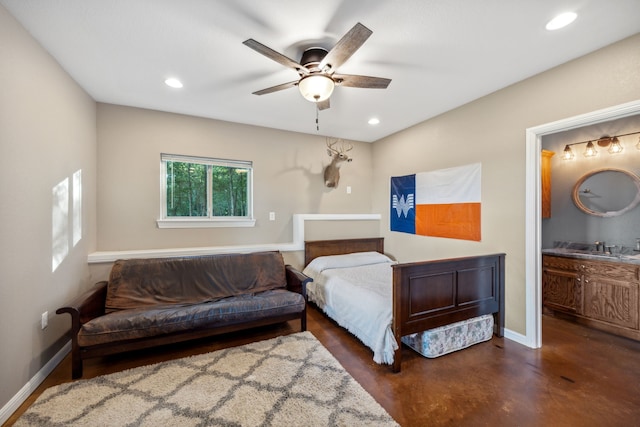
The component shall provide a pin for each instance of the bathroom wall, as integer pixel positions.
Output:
(567, 222)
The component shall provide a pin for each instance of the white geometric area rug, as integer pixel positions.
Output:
(286, 381)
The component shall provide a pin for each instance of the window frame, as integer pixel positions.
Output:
(210, 220)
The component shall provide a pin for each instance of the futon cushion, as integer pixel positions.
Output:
(147, 322)
(140, 283)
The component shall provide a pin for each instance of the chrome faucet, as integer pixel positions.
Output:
(600, 247)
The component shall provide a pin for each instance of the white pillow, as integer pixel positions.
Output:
(355, 259)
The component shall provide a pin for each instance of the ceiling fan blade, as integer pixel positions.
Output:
(346, 47)
(368, 82)
(276, 88)
(323, 105)
(276, 56)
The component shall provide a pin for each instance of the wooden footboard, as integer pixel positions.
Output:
(430, 294)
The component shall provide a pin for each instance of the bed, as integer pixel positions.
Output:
(400, 299)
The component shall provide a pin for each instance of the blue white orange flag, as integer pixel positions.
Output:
(440, 203)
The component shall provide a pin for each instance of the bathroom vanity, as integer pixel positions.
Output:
(598, 290)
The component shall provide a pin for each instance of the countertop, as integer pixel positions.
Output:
(593, 255)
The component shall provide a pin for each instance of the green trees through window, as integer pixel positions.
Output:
(186, 189)
(209, 188)
(229, 193)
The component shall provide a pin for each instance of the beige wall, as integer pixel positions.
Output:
(287, 177)
(47, 132)
(49, 128)
(491, 130)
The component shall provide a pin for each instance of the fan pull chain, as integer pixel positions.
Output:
(317, 118)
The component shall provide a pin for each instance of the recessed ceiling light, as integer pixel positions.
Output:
(374, 121)
(175, 83)
(561, 21)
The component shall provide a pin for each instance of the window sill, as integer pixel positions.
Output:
(205, 223)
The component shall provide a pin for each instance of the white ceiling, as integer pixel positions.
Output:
(440, 54)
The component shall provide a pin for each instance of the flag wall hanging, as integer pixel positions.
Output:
(440, 203)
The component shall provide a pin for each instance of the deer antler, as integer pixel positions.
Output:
(330, 145)
(343, 147)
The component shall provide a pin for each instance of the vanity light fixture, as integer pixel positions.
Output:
(568, 153)
(605, 141)
(615, 146)
(590, 151)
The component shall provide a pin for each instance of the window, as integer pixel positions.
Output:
(205, 192)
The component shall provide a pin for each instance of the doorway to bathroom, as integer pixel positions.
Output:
(552, 135)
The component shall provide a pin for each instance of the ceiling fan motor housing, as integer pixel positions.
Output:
(312, 57)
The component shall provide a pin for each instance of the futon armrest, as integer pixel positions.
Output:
(296, 281)
(87, 306)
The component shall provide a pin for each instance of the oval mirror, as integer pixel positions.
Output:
(607, 192)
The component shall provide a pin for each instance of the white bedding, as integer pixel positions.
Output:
(355, 290)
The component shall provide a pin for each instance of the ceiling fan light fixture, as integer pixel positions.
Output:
(316, 87)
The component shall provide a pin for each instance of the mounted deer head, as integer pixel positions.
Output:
(338, 156)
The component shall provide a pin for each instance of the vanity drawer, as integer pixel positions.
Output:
(561, 263)
(612, 270)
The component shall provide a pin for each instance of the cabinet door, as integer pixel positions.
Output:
(611, 300)
(561, 290)
(545, 184)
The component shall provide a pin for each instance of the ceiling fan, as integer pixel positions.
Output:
(317, 68)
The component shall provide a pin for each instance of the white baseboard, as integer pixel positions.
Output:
(519, 338)
(22, 395)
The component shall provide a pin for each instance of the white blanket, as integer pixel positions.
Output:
(355, 290)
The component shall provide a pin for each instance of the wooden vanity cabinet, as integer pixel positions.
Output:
(600, 294)
(611, 293)
(561, 290)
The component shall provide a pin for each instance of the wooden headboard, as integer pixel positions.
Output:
(316, 248)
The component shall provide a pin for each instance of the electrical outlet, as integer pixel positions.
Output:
(348, 189)
(272, 216)
(45, 319)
